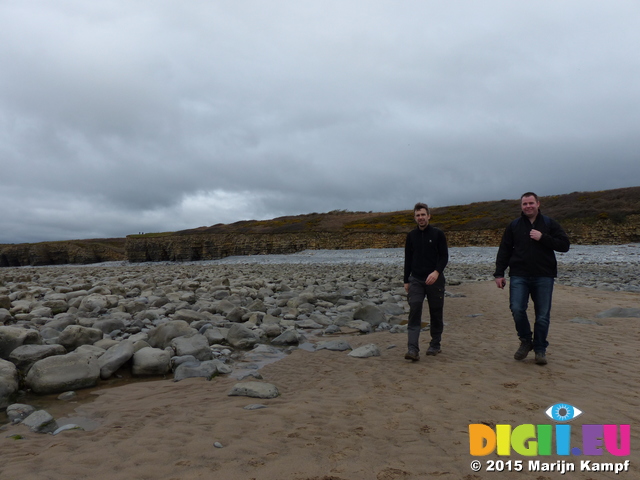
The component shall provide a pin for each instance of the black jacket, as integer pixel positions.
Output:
(526, 257)
(425, 251)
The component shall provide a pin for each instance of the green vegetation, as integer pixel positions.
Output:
(578, 207)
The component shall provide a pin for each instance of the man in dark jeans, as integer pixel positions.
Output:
(528, 248)
(425, 257)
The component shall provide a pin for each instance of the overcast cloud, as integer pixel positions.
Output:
(127, 116)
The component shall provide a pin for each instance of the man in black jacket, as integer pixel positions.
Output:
(425, 257)
(528, 248)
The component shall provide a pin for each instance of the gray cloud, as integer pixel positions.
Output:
(118, 117)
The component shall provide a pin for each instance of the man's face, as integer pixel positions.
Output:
(422, 218)
(530, 206)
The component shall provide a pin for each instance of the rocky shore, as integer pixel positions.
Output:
(68, 328)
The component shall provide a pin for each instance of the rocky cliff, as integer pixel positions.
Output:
(61, 253)
(211, 246)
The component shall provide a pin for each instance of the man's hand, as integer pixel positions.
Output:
(433, 276)
(536, 235)
(406, 287)
(501, 282)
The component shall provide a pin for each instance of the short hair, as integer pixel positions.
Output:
(529, 194)
(420, 206)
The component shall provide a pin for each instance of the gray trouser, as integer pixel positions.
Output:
(418, 290)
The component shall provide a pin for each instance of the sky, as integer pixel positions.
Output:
(126, 116)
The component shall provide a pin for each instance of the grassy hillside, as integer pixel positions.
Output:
(578, 207)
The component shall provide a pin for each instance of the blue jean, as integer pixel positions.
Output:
(541, 290)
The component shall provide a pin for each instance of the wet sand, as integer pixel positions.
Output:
(385, 418)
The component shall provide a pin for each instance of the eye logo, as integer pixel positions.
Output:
(563, 412)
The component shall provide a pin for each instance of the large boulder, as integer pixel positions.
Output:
(61, 373)
(196, 345)
(108, 325)
(8, 383)
(161, 336)
(75, 335)
(370, 314)
(115, 357)
(25, 356)
(98, 303)
(206, 369)
(288, 337)
(13, 337)
(61, 321)
(151, 361)
(240, 336)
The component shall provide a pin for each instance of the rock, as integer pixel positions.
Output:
(74, 336)
(335, 345)
(370, 350)
(25, 356)
(360, 325)
(255, 390)
(308, 323)
(5, 302)
(151, 361)
(271, 330)
(175, 362)
(206, 369)
(370, 314)
(64, 428)
(188, 316)
(40, 421)
(67, 396)
(13, 337)
(240, 336)
(255, 406)
(216, 335)
(288, 337)
(61, 373)
(619, 312)
(5, 317)
(115, 357)
(8, 382)
(95, 303)
(332, 329)
(161, 336)
(108, 325)
(196, 345)
(19, 411)
(61, 321)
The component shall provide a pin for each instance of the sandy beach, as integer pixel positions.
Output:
(384, 418)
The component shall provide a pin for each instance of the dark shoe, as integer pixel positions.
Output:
(412, 355)
(433, 350)
(541, 358)
(523, 351)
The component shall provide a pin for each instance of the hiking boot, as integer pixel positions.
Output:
(523, 350)
(432, 350)
(541, 358)
(412, 355)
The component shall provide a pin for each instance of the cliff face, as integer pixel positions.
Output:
(212, 246)
(61, 253)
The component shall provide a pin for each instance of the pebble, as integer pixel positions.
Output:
(95, 308)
